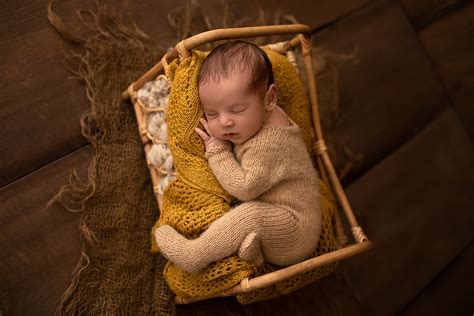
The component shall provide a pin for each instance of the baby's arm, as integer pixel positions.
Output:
(257, 172)
(248, 180)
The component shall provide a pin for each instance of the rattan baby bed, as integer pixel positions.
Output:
(323, 162)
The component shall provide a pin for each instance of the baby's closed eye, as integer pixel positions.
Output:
(210, 113)
(239, 109)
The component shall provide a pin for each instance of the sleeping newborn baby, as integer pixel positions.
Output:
(257, 154)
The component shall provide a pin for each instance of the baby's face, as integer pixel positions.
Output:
(233, 112)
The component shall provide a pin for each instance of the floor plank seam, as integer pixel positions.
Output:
(435, 278)
(450, 9)
(359, 174)
(346, 16)
(44, 166)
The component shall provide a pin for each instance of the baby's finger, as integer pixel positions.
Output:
(206, 126)
(202, 134)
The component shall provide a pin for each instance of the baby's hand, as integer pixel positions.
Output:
(209, 140)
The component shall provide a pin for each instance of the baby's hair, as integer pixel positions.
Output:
(229, 58)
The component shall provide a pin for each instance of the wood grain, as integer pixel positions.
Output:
(40, 247)
(41, 107)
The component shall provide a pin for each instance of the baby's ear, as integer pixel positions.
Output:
(271, 97)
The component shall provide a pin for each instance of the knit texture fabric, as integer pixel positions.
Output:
(327, 243)
(274, 167)
(116, 273)
(195, 199)
(280, 219)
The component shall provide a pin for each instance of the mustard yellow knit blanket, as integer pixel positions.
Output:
(195, 199)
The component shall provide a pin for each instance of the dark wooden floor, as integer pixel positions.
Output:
(406, 95)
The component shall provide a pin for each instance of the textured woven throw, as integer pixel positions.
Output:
(195, 199)
(117, 274)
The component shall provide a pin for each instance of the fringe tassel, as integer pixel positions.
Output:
(111, 36)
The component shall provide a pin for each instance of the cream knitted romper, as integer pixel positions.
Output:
(279, 219)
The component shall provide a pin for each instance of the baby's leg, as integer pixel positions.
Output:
(288, 237)
(239, 227)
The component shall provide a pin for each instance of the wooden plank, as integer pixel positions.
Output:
(424, 12)
(40, 247)
(379, 64)
(40, 121)
(449, 42)
(416, 206)
(451, 292)
(41, 108)
(40, 116)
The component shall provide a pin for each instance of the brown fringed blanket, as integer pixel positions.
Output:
(117, 273)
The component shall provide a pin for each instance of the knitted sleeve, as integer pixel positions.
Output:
(258, 171)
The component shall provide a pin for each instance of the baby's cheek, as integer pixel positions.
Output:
(214, 129)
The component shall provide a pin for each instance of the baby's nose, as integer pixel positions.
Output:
(226, 121)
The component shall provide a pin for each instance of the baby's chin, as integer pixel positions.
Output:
(234, 141)
(237, 142)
